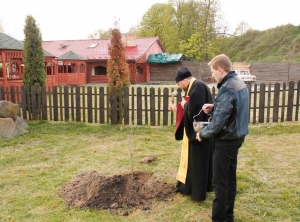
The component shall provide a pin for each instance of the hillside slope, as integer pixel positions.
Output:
(280, 44)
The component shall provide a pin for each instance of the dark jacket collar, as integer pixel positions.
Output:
(229, 75)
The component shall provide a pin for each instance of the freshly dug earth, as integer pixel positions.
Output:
(137, 190)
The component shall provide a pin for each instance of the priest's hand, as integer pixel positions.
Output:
(198, 137)
(172, 107)
(183, 101)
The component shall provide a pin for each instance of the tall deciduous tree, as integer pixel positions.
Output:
(185, 26)
(203, 43)
(117, 70)
(34, 73)
(159, 21)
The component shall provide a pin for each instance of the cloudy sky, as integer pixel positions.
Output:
(76, 19)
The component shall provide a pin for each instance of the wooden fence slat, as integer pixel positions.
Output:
(291, 90)
(158, 106)
(146, 105)
(152, 106)
(2, 93)
(50, 95)
(66, 103)
(297, 101)
(139, 106)
(132, 106)
(107, 106)
(269, 102)
(28, 102)
(254, 103)
(165, 106)
(72, 103)
(126, 106)
(261, 109)
(101, 104)
(172, 113)
(78, 113)
(213, 93)
(83, 104)
(39, 102)
(24, 104)
(276, 102)
(95, 105)
(12, 94)
(55, 103)
(34, 103)
(44, 103)
(90, 104)
(283, 101)
(250, 96)
(61, 112)
(113, 106)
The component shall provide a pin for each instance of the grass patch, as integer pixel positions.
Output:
(36, 165)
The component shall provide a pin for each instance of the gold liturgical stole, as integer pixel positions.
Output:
(183, 166)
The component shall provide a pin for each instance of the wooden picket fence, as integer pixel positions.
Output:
(142, 105)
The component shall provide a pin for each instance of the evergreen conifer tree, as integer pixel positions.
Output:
(34, 73)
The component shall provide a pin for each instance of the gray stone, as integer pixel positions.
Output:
(21, 123)
(9, 109)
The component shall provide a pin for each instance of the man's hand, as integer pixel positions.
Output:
(207, 107)
(198, 137)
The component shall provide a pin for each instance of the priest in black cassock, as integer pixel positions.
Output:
(195, 171)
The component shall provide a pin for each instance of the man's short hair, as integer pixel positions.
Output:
(221, 61)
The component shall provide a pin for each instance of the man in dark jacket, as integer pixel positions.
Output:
(195, 170)
(229, 126)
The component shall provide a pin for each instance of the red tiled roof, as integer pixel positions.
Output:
(81, 47)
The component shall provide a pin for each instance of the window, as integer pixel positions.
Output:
(139, 70)
(93, 45)
(99, 70)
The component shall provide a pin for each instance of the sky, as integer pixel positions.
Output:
(76, 19)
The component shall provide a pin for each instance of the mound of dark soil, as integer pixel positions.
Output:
(92, 190)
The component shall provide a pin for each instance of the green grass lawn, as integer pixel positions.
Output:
(33, 168)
